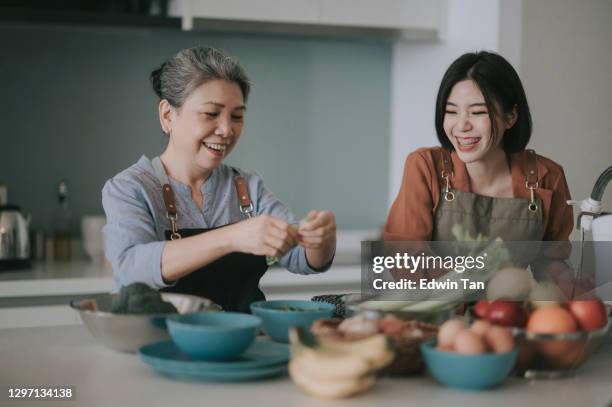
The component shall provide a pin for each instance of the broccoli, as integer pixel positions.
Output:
(139, 298)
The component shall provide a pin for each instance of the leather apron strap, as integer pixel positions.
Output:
(246, 205)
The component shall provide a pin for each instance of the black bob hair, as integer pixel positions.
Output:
(500, 86)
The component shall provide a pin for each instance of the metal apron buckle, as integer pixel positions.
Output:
(175, 235)
(449, 195)
(533, 206)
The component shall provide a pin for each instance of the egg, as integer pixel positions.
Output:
(469, 343)
(448, 332)
(499, 339)
(480, 327)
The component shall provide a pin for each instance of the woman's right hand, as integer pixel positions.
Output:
(264, 235)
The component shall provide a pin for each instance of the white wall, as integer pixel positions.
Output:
(561, 49)
(417, 70)
(567, 72)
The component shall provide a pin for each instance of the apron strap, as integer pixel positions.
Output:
(447, 173)
(531, 180)
(246, 206)
(168, 194)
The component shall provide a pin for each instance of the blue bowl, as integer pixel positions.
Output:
(214, 336)
(472, 372)
(279, 316)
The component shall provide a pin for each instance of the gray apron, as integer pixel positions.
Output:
(511, 219)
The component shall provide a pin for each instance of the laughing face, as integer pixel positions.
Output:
(208, 125)
(468, 126)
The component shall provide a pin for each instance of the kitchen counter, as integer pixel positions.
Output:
(69, 356)
(40, 296)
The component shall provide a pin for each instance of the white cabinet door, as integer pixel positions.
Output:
(392, 14)
(279, 11)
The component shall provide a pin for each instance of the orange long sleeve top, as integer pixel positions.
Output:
(412, 214)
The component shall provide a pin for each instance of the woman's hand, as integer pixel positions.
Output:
(264, 235)
(317, 233)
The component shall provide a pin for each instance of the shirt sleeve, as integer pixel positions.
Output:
(132, 246)
(295, 259)
(411, 215)
(561, 216)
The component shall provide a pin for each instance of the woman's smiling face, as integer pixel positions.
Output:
(209, 123)
(467, 124)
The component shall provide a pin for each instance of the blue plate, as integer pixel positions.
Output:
(262, 358)
(224, 376)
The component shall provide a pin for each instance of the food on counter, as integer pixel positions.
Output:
(590, 315)
(297, 309)
(406, 336)
(507, 313)
(448, 332)
(480, 327)
(499, 339)
(510, 283)
(469, 343)
(334, 369)
(480, 309)
(480, 337)
(545, 294)
(139, 298)
(551, 320)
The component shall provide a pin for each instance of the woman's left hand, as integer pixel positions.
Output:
(318, 230)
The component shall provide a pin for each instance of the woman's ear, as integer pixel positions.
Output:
(165, 116)
(511, 118)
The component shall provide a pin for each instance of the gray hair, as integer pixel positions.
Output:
(176, 78)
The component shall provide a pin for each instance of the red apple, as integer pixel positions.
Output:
(506, 313)
(480, 309)
(590, 314)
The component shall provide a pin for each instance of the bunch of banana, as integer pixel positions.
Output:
(335, 369)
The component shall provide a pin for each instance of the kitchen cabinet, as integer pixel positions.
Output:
(391, 14)
(409, 19)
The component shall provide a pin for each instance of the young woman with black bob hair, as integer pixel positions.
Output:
(482, 176)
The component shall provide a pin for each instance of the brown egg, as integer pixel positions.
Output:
(448, 332)
(499, 339)
(480, 327)
(469, 343)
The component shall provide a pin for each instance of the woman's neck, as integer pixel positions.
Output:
(486, 172)
(182, 170)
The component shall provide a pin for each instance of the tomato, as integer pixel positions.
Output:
(506, 313)
(590, 314)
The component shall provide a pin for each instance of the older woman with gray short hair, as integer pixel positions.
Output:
(184, 221)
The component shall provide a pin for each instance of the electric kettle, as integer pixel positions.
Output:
(14, 237)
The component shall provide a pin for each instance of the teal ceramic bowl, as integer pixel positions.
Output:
(278, 316)
(472, 372)
(214, 336)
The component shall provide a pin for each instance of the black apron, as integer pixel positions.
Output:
(231, 281)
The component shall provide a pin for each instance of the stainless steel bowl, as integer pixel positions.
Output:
(127, 333)
(354, 305)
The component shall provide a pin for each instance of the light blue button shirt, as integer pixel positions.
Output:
(136, 218)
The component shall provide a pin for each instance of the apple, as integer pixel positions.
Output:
(591, 315)
(506, 313)
(480, 309)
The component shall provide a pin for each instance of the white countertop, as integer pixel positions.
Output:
(83, 277)
(69, 356)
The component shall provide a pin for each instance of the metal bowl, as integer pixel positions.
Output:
(127, 333)
(551, 356)
(354, 305)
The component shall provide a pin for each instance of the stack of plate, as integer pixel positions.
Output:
(262, 359)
